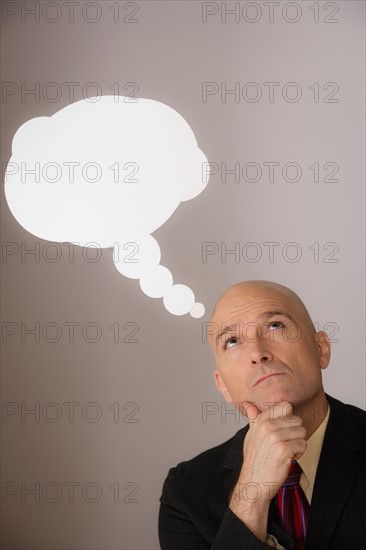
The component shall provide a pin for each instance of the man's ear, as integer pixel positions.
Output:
(323, 344)
(221, 387)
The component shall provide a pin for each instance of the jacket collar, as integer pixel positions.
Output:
(339, 465)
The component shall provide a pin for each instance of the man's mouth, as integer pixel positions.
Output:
(266, 376)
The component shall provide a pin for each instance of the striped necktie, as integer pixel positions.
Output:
(294, 507)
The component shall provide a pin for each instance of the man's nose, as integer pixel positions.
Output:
(258, 355)
(258, 348)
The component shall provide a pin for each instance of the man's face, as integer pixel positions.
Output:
(266, 349)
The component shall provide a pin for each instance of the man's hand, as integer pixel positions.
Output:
(275, 437)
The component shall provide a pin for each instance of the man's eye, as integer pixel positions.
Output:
(231, 342)
(273, 325)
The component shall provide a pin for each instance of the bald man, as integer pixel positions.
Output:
(269, 362)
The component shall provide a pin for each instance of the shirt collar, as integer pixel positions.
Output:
(310, 459)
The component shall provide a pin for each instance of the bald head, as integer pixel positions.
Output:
(253, 292)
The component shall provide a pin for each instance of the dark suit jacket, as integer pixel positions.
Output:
(194, 513)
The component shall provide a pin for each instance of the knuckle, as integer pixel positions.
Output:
(304, 445)
(302, 431)
(282, 447)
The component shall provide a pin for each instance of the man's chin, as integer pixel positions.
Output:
(275, 398)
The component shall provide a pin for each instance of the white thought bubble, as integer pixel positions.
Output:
(108, 173)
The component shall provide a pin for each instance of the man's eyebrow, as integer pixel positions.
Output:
(269, 314)
(265, 315)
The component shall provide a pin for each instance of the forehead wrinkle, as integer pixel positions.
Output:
(237, 313)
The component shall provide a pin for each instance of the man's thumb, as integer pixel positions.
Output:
(251, 410)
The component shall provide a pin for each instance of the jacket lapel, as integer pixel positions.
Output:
(338, 467)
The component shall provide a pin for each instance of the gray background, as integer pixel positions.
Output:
(161, 385)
